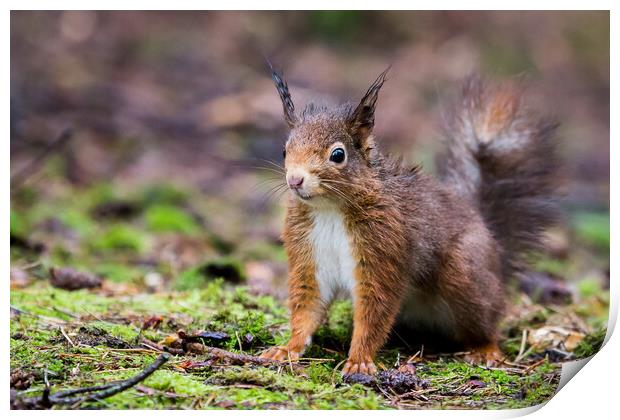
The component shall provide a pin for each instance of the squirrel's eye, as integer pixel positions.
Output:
(284, 153)
(337, 155)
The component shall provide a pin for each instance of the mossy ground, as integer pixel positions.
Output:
(163, 260)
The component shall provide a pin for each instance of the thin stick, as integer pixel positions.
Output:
(64, 334)
(535, 365)
(238, 341)
(522, 348)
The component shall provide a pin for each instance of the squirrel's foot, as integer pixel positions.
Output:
(488, 355)
(365, 366)
(280, 353)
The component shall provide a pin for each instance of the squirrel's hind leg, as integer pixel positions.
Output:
(488, 355)
(469, 283)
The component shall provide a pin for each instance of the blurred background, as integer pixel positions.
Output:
(172, 112)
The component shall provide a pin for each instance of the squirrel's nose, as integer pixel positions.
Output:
(295, 181)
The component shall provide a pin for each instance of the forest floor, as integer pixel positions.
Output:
(162, 278)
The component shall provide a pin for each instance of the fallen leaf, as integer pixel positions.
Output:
(172, 340)
(554, 336)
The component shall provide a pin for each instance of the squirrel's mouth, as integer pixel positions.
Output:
(300, 194)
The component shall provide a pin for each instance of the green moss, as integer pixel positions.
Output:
(178, 383)
(225, 268)
(235, 375)
(120, 273)
(42, 301)
(124, 332)
(549, 265)
(164, 194)
(190, 279)
(166, 218)
(335, 334)
(232, 310)
(593, 228)
(97, 194)
(336, 25)
(501, 57)
(119, 237)
(591, 344)
(589, 287)
(78, 221)
(25, 196)
(19, 226)
(501, 389)
(292, 391)
(254, 398)
(266, 251)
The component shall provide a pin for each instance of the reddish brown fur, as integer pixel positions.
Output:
(413, 239)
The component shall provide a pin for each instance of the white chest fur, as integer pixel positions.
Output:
(332, 253)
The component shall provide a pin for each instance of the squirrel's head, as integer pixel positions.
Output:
(328, 150)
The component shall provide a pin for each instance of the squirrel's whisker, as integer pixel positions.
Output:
(267, 168)
(273, 191)
(271, 162)
(342, 195)
(256, 186)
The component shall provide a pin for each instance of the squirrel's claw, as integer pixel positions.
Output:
(279, 353)
(366, 367)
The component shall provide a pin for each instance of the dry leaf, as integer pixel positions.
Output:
(553, 336)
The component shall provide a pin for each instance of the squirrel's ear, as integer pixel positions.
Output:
(362, 120)
(285, 96)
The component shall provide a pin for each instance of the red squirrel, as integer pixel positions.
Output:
(406, 248)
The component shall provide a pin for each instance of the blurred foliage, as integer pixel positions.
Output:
(594, 228)
(18, 225)
(165, 218)
(338, 25)
(591, 344)
(120, 237)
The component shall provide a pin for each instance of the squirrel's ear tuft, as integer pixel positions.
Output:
(362, 120)
(285, 97)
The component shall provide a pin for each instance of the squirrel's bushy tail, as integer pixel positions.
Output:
(502, 156)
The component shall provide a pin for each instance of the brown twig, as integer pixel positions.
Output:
(522, 347)
(535, 365)
(64, 334)
(240, 359)
(215, 354)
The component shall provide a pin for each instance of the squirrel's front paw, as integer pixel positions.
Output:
(280, 353)
(365, 366)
